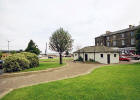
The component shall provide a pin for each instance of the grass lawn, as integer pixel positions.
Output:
(57, 59)
(117, 82)
(47, 63)
(44, 66)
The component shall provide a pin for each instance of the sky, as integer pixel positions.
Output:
(23, 20)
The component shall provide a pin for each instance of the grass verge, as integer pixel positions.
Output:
(44, 66)
(117, 82)
(47, 63)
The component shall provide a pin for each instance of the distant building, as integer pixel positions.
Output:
(122, 39)
(101, 54)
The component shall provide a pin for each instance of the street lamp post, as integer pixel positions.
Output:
(8, 46)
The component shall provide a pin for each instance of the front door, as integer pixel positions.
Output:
(108, 58)
(86, 57)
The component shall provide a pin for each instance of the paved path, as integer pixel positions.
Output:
(71, 70)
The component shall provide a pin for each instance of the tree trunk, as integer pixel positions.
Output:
(60, 58)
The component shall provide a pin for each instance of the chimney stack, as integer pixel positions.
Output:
(131, 26)
(107, 32)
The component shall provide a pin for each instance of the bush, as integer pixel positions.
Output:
(15, 63)
(0, 55)
(91, 60)
(20, 61)
(33, 59)
(79, 59)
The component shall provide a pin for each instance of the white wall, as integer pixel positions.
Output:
(104, 58)
(76, 55)
(98, 57)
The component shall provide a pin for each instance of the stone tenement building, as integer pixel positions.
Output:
(122, 39)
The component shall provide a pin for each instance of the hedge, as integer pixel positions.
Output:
(20, 61)
(33, 59)
(15, 63)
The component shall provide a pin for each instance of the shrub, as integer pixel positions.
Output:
(20, 61)
(15, 63)
(0, 55)
(33, 59)
(91, 60)
(80, 59)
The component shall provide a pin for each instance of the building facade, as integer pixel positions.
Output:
(122, 39)
(101, 54)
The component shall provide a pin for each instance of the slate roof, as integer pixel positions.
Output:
(122, 31)
(97, 49)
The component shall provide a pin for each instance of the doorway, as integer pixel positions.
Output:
(86, 57)
(108, 58)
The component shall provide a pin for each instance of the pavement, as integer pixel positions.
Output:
(19, 80)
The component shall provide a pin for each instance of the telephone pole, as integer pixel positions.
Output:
(8, 46)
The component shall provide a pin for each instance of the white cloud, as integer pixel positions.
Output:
(22, 20)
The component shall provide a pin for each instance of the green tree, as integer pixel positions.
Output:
(20, 50)
(60, 41)
(33, 48)
(138, 41)
(13, 52)
(0, 54)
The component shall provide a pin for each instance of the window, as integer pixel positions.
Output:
(122, 35)
(108, 44)
(114, 36)
(114, 43)
(115, 55)
(75, 54)
(107, 38)
(132, 41)
(123, 42)
(132, 33)
(102, 55)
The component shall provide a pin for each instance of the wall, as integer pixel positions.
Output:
(127, 38)
(100, 59)
(104, 58)
(76, 55)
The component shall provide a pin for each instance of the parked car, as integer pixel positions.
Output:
(123, 58)
(1, 62)
(50, 57)
(127, 55)
(132, 56)
(136, 57)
